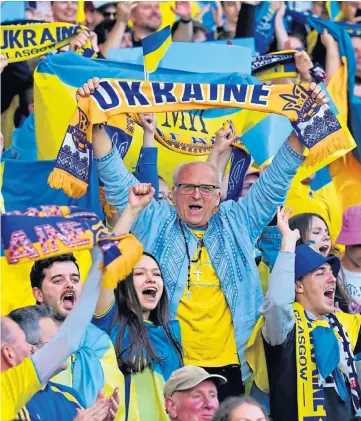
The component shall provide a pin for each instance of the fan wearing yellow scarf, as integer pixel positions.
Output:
(302, 351)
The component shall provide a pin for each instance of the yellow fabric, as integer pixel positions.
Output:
(168, 17)
(152, 59)
(146, 397)
(80, 18)
(206, 308)
(337, 88)
(113, 378)
(307, 373)
(193, 132)
(264, 273)
(302, 199)
(15, 282)
(18, 385)
(346, 175)
(69, 397)
(24, 42)
(255, 355)
(7, 122)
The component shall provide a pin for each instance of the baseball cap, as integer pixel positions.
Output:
(350, 234)
(187, 377)
(103, 4)
(307, 260)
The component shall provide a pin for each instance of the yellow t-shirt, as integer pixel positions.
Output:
(18, 385)
(205, 317)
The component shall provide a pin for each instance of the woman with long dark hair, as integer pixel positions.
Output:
(136, 316)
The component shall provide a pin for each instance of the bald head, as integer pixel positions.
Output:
(196, 193)
(214, 176)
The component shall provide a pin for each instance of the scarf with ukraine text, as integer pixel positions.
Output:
(20, 42)
(40, 233)
(320, 128)
(317, 353)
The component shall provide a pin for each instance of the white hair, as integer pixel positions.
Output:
(181, 166)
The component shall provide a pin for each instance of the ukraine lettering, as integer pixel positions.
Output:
(47, 236)
(109, 96)
(25, 38)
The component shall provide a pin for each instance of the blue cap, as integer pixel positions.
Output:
(307, 260)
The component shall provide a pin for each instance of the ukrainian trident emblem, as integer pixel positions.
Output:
(301, 102)
(78, 132)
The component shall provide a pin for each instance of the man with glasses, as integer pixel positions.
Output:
(55, 401)
(206, 248)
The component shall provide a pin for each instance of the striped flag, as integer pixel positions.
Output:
(155, 47)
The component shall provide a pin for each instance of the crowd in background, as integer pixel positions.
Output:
(236, 307)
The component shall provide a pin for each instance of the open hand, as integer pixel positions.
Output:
(88, 88)
(283, 215)
(124, 10)
(182, 9)
(140, 196)
(97, 412)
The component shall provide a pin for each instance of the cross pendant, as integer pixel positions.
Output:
(197, 273)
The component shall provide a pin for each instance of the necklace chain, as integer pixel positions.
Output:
(188, 294)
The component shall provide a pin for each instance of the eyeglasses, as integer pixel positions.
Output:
(107, 15)
(40, 344)
(204, 189)
(163, 196)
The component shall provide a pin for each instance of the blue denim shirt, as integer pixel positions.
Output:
(230, 237)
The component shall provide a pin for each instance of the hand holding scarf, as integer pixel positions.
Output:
(318, 126)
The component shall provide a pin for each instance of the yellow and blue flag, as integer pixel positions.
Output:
(154, 48)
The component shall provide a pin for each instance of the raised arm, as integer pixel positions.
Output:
(277, 306)
(259, 206)
(222, 150)
(112, 171)
(70, 335)
(184, 31)
(139, 197)
(147, 165)
(333, 59)
(115, 36)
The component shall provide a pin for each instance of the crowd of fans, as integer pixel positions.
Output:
(229, 297)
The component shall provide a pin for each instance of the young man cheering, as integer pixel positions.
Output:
(308, 347)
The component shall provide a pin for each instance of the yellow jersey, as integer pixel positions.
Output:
(205, 317)
(18, 385)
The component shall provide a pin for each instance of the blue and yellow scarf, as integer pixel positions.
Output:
(311, 369)
(54, 230)
(20, 42)
(319, 127)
